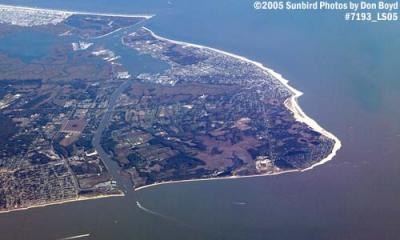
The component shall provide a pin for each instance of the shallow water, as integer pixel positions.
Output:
(27, 45)
(134, 62)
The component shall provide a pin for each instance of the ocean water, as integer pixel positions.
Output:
(349, 75)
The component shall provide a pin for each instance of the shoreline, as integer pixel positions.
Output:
(291, 104)
(63, 202)
(216, 178)
(21, 7)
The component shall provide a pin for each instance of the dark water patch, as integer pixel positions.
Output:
(27, 45)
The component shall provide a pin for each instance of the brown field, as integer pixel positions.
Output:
(229, 151)
(71, 138)
(74, 126)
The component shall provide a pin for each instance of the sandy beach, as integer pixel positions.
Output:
(291, 104)
(147, 16)
(62, 202)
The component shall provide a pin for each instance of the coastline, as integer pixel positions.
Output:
(146, 16)
(62, 202)
(216, 178)
(291, 104)
(68, 14)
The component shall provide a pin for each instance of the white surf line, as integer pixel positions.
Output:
(20, 7)
(216, 179)
(76, 236)
(291, 103)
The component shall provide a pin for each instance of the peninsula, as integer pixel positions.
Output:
(76, 121)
